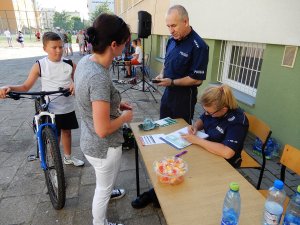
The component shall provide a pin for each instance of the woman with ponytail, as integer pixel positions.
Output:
(102, 112)
(224, 122)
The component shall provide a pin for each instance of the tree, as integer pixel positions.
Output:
(102, 8)
(77, 23)
(62, 20)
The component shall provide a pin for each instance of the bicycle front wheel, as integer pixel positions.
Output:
(54, 173)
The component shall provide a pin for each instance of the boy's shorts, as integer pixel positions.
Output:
(66, 121)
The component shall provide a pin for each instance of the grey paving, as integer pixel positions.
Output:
(23, 194)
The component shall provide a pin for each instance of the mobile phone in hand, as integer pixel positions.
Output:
(155, 81)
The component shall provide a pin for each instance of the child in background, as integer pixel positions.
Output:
(54, 72)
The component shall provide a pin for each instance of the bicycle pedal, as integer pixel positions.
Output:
(31, 157)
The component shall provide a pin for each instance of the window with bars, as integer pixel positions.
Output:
(240, 65)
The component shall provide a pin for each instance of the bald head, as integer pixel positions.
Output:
(177, 20)
(182, 13)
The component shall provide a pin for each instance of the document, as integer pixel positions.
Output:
(177, 141)
(152, 139)
(165, 122)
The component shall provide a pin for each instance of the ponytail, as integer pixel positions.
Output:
(220, 96)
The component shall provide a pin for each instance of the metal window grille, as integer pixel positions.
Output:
(240, 65)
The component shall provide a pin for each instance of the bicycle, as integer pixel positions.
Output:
(47, 143)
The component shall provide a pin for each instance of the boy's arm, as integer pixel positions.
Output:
(72, 89)
(26, 86)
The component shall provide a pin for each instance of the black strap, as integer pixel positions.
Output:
(68, 61)
(38, 62)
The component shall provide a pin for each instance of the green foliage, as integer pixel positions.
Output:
(102, 8)
(62, 20)
(77, 23)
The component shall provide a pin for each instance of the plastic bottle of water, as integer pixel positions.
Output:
(292, 215)
(231, 206)
(274, 204)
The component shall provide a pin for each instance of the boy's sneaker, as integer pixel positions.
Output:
(73, 161)
(117, 194)
(110, 223)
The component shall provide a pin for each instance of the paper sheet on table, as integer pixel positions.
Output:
(165, 122)
(152, 139)
(177, 141)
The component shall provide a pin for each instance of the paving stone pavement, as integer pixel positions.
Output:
(23, 194)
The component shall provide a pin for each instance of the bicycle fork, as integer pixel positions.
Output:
(39, 130)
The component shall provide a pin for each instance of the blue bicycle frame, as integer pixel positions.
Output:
(39, 137)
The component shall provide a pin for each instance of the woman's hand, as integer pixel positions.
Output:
(125, 106)
(127, 116)
(191, 138)
(192, 130)
(72, 89)
(3, 91)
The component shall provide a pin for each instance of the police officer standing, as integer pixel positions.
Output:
(184, 68)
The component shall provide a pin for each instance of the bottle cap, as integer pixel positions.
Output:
(235, 186)
(298, 189)
(278, 184)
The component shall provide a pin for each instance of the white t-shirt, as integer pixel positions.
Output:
(138, 51)
(53, 76)
(7, 34)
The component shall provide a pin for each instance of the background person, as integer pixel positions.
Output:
(137, 58)
(20, 38)
(54, 72)
(38, 35)
(66, 45)
(81, 42)
(8, 37)
(69, 39)
(224, 122)
(99, 104)
(183, 72)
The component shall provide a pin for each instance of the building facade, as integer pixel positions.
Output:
(92, 5)
(253, 49)
(19, 15)
(46, 15)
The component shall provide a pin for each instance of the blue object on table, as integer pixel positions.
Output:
(148, 124)
(231, 206)
(274, 204)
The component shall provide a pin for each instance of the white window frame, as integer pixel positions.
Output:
(162, 48)
(225, 63)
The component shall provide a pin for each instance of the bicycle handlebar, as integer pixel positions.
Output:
(17, 95)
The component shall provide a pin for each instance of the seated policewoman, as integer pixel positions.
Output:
(224, 122)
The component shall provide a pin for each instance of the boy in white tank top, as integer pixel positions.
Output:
(55, 72)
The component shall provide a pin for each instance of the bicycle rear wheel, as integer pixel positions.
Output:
(54, 173)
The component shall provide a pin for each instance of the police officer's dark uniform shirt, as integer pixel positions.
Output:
(230, 130)
(187, 57)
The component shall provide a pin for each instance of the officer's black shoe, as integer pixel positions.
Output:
(156, 203)
(142, 201)
(153, 196)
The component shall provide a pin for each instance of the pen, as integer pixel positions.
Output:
(181, 153)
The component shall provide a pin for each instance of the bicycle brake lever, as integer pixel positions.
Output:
(66, 92)
(14, 96)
